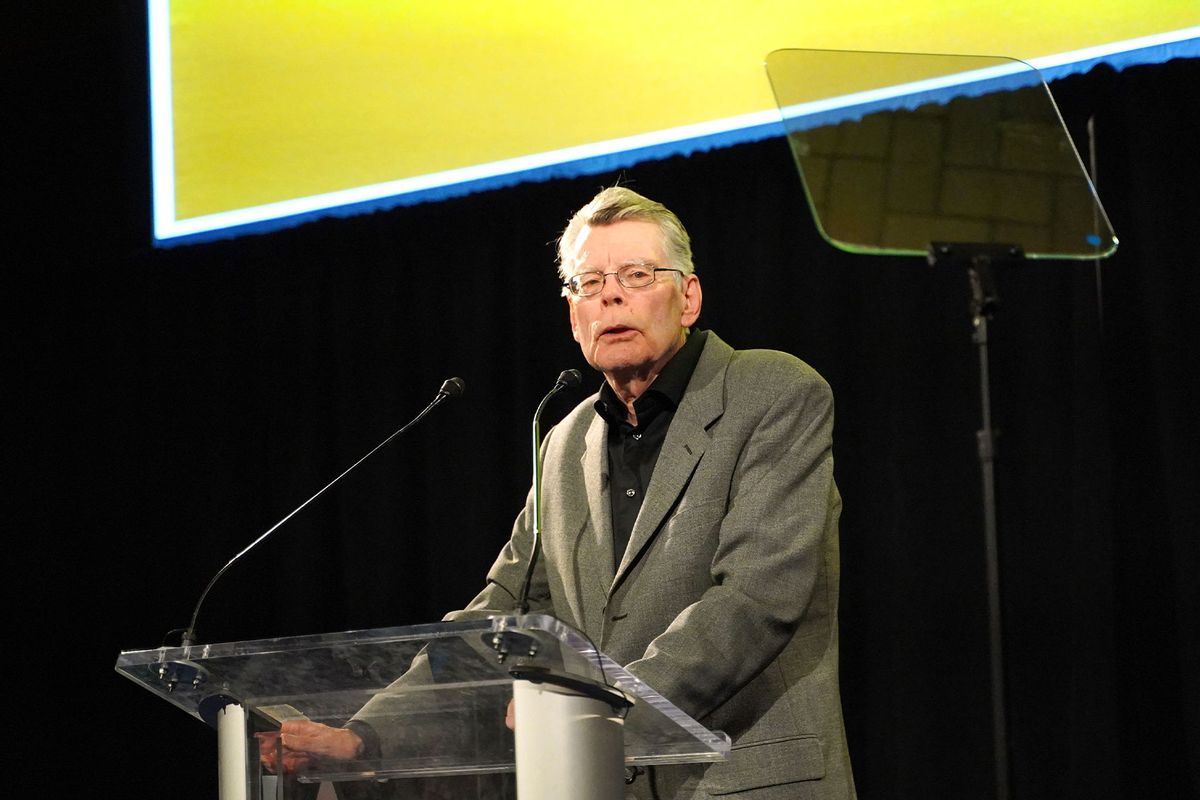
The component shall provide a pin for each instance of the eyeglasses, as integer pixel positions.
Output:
(631, 276)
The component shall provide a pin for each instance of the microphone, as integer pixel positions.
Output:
(451, 388)
(568, 377)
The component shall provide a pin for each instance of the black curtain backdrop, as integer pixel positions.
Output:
(173, 404)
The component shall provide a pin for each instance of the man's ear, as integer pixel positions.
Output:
(574, 326)
(693, 298)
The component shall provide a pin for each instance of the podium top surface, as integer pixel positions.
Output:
(448, 684)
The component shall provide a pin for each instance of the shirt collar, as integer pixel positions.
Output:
(667, 389)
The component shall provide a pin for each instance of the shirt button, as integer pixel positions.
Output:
(630, 492)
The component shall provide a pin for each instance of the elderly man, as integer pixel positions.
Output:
(689, 516)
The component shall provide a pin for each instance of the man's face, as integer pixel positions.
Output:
(624, 332)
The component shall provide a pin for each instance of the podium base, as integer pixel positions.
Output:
(567, 744)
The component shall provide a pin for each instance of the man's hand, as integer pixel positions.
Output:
(303, 741)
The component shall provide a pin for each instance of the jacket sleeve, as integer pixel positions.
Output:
(506, 577)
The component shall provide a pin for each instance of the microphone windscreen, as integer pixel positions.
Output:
(570, 378)
(453, 387)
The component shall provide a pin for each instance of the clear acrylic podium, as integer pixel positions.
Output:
(432, 699)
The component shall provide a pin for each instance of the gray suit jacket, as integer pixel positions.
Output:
(726, 598)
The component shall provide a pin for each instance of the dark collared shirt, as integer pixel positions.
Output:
(633, 452)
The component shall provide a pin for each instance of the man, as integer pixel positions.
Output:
(689, 517)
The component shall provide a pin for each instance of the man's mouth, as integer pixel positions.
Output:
(616, 330)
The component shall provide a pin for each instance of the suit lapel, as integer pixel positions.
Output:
(686, 441)
(594, 558)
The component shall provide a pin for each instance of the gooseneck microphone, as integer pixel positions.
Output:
(451, 388)
(569, 377)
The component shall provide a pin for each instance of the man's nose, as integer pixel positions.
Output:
(612, 291)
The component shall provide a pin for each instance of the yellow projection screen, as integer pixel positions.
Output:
(266, 113)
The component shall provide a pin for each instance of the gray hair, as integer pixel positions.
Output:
(617, 204)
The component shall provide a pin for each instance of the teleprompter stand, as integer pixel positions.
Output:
(979, 261)
(430, 702)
